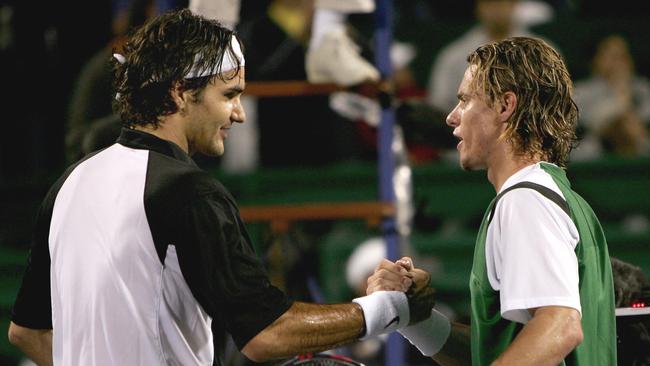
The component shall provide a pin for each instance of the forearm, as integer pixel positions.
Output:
(546, 339)
(457, 349)
(307, 328)
(35, 343)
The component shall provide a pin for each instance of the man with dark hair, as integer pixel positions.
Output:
(541, 281)
(138, 252)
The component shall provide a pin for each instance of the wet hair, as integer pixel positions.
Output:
(544, 122)
(158, 55)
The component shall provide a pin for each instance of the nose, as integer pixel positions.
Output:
(453, 118)
(238, 112)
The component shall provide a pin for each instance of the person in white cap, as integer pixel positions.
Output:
(141, 258)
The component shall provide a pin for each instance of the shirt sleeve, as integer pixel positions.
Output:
(33, 307)
(222, 269)
(530, 255)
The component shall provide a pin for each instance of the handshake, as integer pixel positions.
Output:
(399, 298)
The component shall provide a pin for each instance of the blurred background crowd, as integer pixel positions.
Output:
(58, 95)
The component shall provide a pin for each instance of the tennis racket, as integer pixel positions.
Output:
(321, 359)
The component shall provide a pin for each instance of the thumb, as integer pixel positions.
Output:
(406, 262)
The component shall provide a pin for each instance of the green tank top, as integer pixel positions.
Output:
(491, 334)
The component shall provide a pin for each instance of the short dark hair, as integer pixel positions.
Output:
(157, 58)
(544, 122)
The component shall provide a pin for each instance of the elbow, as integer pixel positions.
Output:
(17, 335)
(257, 350)
(575, 337)
(23, 337)
(270, 343)
(572, 335)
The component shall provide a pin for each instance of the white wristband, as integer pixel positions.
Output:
(384, 312)
(429, 335)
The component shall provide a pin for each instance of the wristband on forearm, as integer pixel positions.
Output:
(429, 335)
(384, 312)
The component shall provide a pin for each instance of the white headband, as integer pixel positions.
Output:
(228, 63)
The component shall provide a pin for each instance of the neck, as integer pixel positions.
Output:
(503, 169)
(168, 129)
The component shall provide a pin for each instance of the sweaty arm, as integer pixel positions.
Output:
(312, 327)
(546, 339)
(552, 333)
(307, 328)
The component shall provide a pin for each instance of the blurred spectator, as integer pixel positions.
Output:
(91, 123)
(630, 286)
(280, 37)
(497, 19)
(629, 282)
(332, 56)
(614, 103)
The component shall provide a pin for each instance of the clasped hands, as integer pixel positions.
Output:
(403, 276)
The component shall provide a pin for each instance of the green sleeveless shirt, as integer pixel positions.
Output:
(491, 334)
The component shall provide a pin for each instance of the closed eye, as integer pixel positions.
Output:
(233, 92)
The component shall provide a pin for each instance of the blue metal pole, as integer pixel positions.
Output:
(163, 6)
(395, 350)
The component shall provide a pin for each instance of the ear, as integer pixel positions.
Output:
(179, 96)
(507, 106)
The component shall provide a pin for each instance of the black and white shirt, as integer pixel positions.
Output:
(136, 252)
